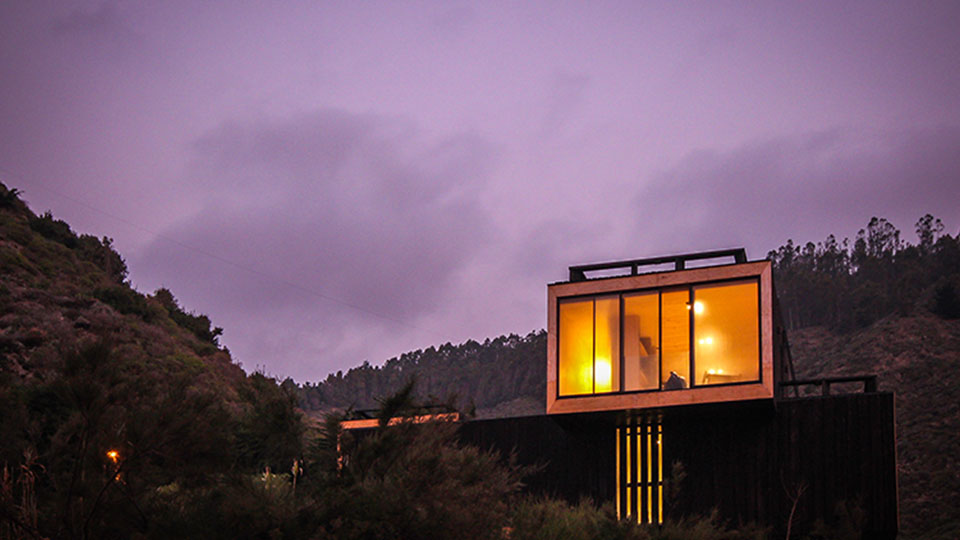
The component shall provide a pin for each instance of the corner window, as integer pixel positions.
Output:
(663, 339)
(590, 346)
(727, 335)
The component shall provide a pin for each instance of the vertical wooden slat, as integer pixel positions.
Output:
(642, 478)
(620, 472)
(631, 470)
(655, 477)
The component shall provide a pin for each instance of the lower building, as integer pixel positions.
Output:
(825, 458)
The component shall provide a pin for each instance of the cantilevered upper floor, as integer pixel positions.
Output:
(664, 338)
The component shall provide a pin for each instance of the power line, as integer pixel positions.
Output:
(224, 260)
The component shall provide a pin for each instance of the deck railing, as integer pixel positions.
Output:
(869, 383)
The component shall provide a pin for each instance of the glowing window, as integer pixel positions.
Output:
(675, 373)
(576, 348)
(726, 333)
(641, 341)
(663, 339)
(606, 351)
(589, 346)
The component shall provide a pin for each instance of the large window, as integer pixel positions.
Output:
(664, 339)
(590, 346)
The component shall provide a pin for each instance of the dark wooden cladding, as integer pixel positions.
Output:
(749, 460)
(576, 451)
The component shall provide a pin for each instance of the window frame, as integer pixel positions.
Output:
(689, 287)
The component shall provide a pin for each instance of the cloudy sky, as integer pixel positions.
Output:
(334, 182)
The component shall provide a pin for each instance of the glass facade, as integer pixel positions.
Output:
(576, 347)
(727, 336)
(675, 373)
(641, 341)
(664, 339)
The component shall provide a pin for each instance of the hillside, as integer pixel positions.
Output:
(498, 378)
(917, 358)
(113, 399)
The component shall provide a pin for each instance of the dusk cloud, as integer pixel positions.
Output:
(803, 187)
(340, 182)
(325, 207)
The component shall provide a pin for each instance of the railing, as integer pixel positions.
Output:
(431, 409)
(869, 383)
(578, 273)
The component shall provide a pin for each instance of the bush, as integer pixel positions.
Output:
(125, 300)
(101, 253)
(946, 302)
(549, 519)
(198, 325)
(54, 229)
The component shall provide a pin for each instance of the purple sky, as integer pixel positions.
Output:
(334, 182)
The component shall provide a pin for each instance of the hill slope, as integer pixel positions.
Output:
(112, 399)
(499, 377)
(917, 358)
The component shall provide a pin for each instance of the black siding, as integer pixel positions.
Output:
(747, 460)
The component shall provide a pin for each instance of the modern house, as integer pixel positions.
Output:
(670, 392)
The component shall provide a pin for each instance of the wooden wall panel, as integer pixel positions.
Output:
(747, 460)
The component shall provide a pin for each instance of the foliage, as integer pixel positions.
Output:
(54, 229)
(481, 374)
(269, 434)
(846, 287)
(537, 518)
(946, 302)
(125, 300)
(410, 480)
(165, 429)
(87, 247)
(199, 325)
(9, 197)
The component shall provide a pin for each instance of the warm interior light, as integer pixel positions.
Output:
(586, 375)
(604, 372)
(113, 455)
(698, 307)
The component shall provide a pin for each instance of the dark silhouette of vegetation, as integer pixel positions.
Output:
(98, 438)
(846, 286)
(98, 251)
(505, 370)
(199, 325)
(9, 198)
(946, 302)
(125, 300)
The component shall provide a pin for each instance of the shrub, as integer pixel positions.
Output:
(198, 325)
(946, 302)
(54, 229)
(125, 300)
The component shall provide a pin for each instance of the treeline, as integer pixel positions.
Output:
(846, 285)
(473, 374)
(841, 285)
